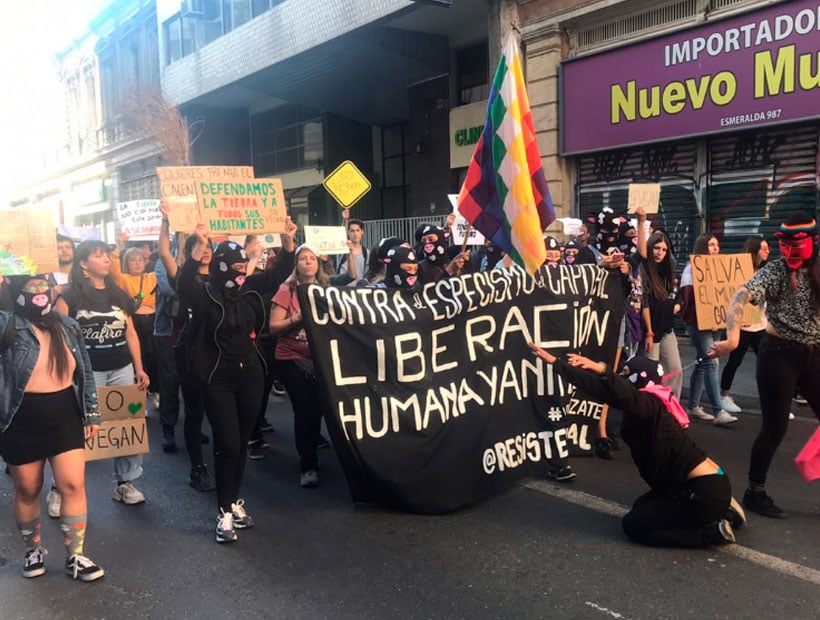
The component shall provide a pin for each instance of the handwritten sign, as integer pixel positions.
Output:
(572, 226)
(716, 280)
(248, 206)
(80, 233)
(140, 219)
(327, 239)
(461, 225)
(28, 242)
(123, 431)
(177, 184)
(347, 184)
(267, 240)
(646, 195)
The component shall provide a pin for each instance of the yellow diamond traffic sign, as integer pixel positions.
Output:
(347, 184)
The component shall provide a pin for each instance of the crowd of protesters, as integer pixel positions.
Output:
(211, 325)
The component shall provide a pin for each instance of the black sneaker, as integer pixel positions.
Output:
(82, 568)
(241, 519)
(322, 443)
(169, 442)
(719, 533)
(256, 450)
(201, 479)
(759, 502)
(34, 562)
(225, 532)
(564, 474)
(603, 448)
(266, 427)
(278, 388)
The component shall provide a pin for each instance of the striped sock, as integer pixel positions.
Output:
(30, 532)
(73, 534)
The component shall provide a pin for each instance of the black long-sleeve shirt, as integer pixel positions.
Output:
(661, 449)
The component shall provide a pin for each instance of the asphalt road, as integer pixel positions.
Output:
(542, 550)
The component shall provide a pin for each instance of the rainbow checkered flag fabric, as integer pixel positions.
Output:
(505, 194)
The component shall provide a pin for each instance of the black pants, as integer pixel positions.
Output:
(144, 325)
(661, 520)
(194, 411)
(231, 402)
(782, 365)
(747, 339)
(169, 386)
(266, 347)
(308, 407)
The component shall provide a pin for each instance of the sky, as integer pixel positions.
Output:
(31, 32)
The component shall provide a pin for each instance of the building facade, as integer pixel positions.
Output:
(713, 99)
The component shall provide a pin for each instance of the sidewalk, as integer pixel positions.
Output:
(744, 386)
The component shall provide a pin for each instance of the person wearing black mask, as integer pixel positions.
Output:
(402, 269)
(48, 409)
(228, 313)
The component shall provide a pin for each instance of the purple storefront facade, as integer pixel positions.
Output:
(724, 115)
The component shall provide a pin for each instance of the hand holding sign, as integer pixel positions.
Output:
(646, 195)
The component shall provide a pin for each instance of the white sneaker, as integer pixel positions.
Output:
(700, 414)
(724, 418)
(127, 493)
(54, 502)
(225, 532)
(729, 404)
(241, 519)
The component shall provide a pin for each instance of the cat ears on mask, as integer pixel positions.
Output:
(551, 243)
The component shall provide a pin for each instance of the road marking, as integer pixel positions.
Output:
(605, 610)
(599, 504)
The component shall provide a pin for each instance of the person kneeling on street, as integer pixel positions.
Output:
(690, 501)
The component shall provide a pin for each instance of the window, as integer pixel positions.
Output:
(472, 68)
(286, 138)
(90, 95)
(259, 7)
(173, 39)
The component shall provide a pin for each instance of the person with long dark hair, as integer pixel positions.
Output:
(660, 305)
(296, 363)
(48, 409)
(789, 353)
(705, 372)
(750, 335)
(104, 312)
(227, 314)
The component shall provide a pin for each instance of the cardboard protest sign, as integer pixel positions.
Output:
(327, 239)
(267, 240)
(140, 219)
(177, 184)
(716, 280)
(646, 195)
(461, 225)
(572, 226)
(435, 399)
(123, 431)
(80, 233)
(249, 206)
(28, 242)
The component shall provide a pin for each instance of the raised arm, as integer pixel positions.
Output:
(171, 266)
(641, 231)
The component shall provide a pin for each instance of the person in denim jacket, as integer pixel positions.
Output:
(48, 409)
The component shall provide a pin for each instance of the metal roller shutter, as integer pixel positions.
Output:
(756, 178)
(604, 178)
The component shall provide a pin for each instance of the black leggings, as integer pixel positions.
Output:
(680, 520)
(144, 325)
(194, 411)
(231, 403)
(308, 407)
(747, 339)
(782, 365)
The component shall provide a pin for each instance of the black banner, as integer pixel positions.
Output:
(435, 399)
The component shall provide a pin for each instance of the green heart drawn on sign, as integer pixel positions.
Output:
(134, 407)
